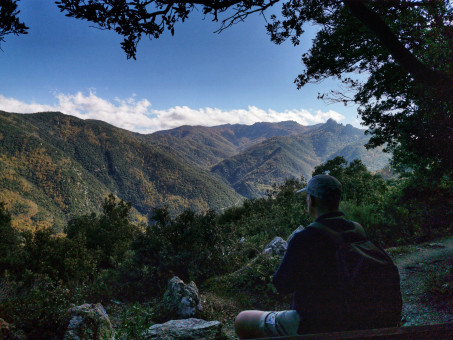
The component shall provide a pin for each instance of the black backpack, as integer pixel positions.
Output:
(369, 282)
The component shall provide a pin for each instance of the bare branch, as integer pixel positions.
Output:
(242, 15)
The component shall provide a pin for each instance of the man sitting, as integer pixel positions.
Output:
(309, 272)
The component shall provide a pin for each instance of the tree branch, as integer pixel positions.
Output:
(9, 21)
(241, 16)
(422, 74)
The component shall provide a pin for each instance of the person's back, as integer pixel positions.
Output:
(310, 272)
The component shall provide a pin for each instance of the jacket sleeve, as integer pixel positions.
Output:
(284, 278)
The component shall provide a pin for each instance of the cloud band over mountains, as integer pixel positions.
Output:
(138, 115)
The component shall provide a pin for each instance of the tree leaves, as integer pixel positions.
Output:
(9, 21)
(404, 90)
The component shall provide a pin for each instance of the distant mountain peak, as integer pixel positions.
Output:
(331, 121)
(289, 123)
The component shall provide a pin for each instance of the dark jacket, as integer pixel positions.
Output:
(308, 271)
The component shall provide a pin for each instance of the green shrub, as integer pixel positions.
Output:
(57, 257)
(418, 208)
(252, 284)
(378, 225)
(439, 284)
(39, 307)
(135, 319)
(130, 281)
(108, 235)
(192, 246)
(359, 184)
(9, 240)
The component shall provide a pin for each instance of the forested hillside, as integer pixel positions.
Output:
(209, 145)
(256, 169)
(55, 166)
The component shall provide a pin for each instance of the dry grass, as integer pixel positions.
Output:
(222, 309)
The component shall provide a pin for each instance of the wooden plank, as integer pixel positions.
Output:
(430, 332)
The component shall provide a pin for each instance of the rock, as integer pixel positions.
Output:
(418, 267)
(445, 287)
(276, 247)
(89, 321)
(434, 245)
(4, 329)
(180, 300)
(299, 228)
(186, 329)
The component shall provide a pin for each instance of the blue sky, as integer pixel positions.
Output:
(196, 77)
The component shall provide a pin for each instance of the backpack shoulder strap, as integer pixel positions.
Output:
(358, 233)
(358, 230)
(333, 235)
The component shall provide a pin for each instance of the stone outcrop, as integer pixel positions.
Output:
(187, 329)
(180, 300)
(89, 321)
(276, 247)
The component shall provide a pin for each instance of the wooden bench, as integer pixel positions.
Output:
(431, 332)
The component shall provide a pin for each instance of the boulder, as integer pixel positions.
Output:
(276, 247)
(435, 245)
(180, 300)
(89, 321)
(187, 329)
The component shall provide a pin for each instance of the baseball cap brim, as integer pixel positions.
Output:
(323, 187)
(301, 190)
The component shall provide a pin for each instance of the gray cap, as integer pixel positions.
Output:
(324, 187)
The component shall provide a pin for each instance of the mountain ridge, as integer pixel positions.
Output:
(71, 164)
(75, 164)
(253, 171)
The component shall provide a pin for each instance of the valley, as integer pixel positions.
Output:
(54, 166)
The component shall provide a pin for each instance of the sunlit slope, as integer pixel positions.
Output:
(54, 166)
(256, 169)
(73, 163)
(206, 146)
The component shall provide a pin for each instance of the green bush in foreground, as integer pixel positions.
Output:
(40, 311)
(251, 285)
(107, 257)
(135, 319)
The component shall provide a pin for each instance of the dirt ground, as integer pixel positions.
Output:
(418, 266)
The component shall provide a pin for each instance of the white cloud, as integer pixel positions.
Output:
(138, 115)
(358, 123)
(14, 105)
